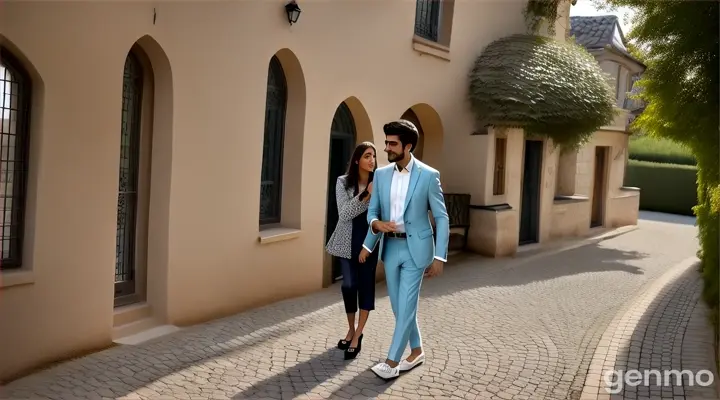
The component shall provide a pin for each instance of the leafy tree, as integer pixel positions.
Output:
(679, 42)
(635, 51)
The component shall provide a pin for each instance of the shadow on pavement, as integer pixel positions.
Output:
(298, 379)
(474, 272)
(199, 347)
(367, 383)
(321, 370)
(134, 367)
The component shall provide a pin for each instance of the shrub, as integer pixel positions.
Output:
(548, 87)
(668, 188)
(708, 234)
(646, 148)
(708, 218)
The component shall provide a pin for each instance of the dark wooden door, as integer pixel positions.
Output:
(530, 206)
(598, 199)
(342, 144)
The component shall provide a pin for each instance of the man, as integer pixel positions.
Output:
(405, 191)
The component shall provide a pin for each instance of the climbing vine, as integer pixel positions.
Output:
(537, 11)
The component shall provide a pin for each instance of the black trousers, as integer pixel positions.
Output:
(358, 285)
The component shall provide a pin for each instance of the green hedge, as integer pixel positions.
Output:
(669, 188)
(646, 148)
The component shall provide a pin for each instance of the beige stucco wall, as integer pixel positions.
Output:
(619, 70)
(564, 211)
(494, 230)
(210, 60)
(571, 217)
(566, 180)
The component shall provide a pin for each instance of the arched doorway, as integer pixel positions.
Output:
(430, 143)
(342, 143)
(412, 117)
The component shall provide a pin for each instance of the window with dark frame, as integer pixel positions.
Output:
(128, 179)
(273, 145)
(427, 19)
(499, 170)
(14, 138)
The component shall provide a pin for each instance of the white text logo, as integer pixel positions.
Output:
(615, 381)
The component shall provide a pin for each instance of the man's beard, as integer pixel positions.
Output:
(395, 157)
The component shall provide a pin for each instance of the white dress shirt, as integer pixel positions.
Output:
(398, 194)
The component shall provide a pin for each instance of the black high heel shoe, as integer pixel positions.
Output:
(343, 344)
(352, 352)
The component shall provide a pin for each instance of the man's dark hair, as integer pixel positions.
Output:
(405, 130)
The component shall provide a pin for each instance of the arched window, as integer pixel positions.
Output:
(343, 122)
(273, 144)
(127, 205)
(14, 137)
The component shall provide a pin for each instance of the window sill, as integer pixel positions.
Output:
(16, 278)
(273, 235)
(424, 46)
(494, 207)
(625, 195)
(558, 199)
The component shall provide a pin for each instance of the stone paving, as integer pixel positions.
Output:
(525, 328)
(664, 330)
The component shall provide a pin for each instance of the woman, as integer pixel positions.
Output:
(353, 191)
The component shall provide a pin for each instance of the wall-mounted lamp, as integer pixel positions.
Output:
(293, 11)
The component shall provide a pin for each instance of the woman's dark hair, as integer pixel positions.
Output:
(353, 170)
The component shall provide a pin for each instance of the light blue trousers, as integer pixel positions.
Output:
(403, 280)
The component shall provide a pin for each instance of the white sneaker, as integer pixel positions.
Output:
(405, 365)
(385, 371)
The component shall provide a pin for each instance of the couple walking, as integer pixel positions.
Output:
(386, 211)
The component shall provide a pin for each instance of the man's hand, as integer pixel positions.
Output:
(363, 255)
(380, 226)
(436, 269)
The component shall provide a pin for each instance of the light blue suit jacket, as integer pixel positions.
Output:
(424, 195)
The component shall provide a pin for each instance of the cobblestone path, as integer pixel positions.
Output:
(526, 328)
(665, 331)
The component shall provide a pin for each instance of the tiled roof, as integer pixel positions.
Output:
(597, 32)
(600, 32)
